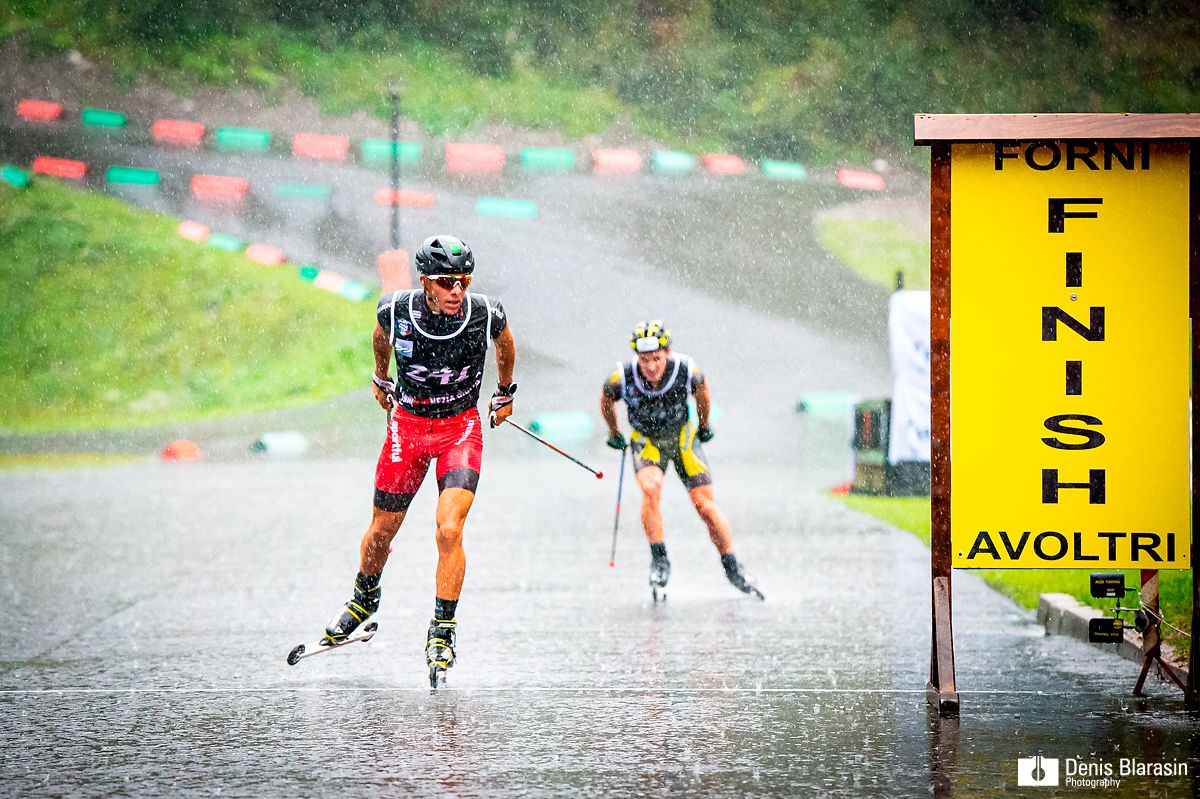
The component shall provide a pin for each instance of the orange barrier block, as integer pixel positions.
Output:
(193, 231)
(723, 164)
(394, 273)
(466, 157)
(220, 187)
(39, 110)
(854, 179)
(413, 199)
(330, 281)
(616, 162)
(179, 132)
(59, 167)
(182, 449)
(266, 254)
(320, 146)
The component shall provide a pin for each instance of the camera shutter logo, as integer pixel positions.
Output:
(1037, 771)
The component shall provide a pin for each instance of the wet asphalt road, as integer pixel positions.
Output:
(170, 594)
(167, 595)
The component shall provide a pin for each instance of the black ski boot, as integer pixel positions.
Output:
(356, 611)
(660, 572)
(439, 650)
(741, 579)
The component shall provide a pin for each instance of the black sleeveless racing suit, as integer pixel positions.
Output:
(439, 373)
(662, 432)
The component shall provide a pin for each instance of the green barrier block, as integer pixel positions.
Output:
(783, 170)
(374, 150)
(309, 273)
(353, 290)
(673, 161)
(223, 241)
(17, 178)
(513, 209)
(100, 118)
(559, 425)
(827, 403)
(132, 174)
(243, 139)
(302, 191)
(548, 159)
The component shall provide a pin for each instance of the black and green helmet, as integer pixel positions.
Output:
(444, 255)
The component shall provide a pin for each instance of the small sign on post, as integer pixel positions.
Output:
(1107, 585)
(1106, 631)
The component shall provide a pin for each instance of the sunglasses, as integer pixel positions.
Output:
(448, 282)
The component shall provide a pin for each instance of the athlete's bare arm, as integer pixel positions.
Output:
(506, 355)
(506, 358)
(608, 409)
(383, 363)
(703, 402)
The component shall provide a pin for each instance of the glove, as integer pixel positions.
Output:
(502, 397)
(388, 387)
(616, 441)
(704, 433)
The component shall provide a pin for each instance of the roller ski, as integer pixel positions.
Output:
(341, 630)
(660, 572)
(308, 650)
(439, 651)
(739, 577)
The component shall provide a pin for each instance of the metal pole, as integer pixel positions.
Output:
(394, 93)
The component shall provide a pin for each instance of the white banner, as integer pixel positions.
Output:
(908, 337)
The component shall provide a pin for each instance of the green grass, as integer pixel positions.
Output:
(345, 74)
(814, 81)
(1024, 586)
(877, 249)
(111, 320)
(65, 460)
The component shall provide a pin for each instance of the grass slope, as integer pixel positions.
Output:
(1025, 585)
(877, 249)
(811, 80)
(111, 320)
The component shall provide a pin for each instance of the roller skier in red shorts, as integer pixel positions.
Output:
(438, 336)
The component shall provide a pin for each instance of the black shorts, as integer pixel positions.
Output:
(683, 450)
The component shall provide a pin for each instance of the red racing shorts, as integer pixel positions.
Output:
(456, 442)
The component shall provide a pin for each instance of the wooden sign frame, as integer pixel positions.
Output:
(939, 132)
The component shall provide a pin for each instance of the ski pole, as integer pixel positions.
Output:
(612, 558)
(536, 437)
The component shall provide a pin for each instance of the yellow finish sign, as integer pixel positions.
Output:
(1070, 355)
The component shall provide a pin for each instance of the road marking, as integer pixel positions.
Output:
(522, 690)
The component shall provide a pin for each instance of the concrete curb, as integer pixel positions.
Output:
(1062, 614)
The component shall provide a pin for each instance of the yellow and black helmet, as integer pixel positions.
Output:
(649, 336)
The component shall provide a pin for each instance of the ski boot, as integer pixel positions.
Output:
(439, 650)
(356, 611)
(739, 577)
(660, 572)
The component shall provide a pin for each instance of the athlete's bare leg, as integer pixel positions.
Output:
(453, 505)
(718, 526)
(650, 480)
(373, 551)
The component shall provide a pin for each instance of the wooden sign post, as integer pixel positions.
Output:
(1064, 360)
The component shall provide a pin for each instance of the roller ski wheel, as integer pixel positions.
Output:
(660, 573)
(439, 651)
(301, 651)
(740, 578)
